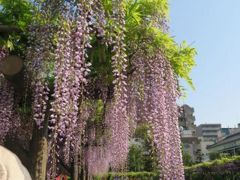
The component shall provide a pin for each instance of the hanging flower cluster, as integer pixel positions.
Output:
(9, 117)
(71, 70)
(6, 103)
(41, 92)
(157, 105)
(97, 159)
(173, 114)
(118, 122)
(99, 18)
(39, 55)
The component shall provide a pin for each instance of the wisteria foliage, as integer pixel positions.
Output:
(144, 87)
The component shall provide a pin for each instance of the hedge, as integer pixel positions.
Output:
(129, 176)
(221, 169)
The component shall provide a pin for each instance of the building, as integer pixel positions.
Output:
(187, 119)
(188, 132)
(208, 135)
(209, 132)
(227, 131)
(190, 143)
(229, 144)
(204, 139)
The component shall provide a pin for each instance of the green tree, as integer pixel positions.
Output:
(213, 156)
(187, 159)
(142, 155)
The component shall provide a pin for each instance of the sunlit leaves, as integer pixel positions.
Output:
(16, 13)
(142, 31)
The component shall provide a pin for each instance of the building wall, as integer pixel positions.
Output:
(203, 146)
(208, 134)
(188, 131)
(224, 132)
(187, 119)
(191, 149)
(229, 144)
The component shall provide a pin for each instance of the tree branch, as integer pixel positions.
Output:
(8, 29)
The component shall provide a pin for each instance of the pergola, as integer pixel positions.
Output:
(6, 29)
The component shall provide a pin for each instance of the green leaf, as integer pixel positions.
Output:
(9, 45)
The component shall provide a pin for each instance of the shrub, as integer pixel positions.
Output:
(219, 169)
(129, 176)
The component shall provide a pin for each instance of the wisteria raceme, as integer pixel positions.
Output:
(71, 71)
(60, 107)
(81, 68)
(6, 108)
(157, 104)
(173, 114)
(97, 159)
(118, 143)
(41, 92)
(9, 117)
(6, 104)
(158, 112)
(118, 121)
(132, 106)
(99, 18)
(38, 55)
(139, 90)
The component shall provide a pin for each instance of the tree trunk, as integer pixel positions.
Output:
(76, 167)
(40, 149)
(40, 156)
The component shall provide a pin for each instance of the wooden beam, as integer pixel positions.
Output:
(11, 65)
(12, 69)
(8, 29)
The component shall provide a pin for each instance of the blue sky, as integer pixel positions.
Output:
(213, 28)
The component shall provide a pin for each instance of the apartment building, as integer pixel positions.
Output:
(208, 135)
